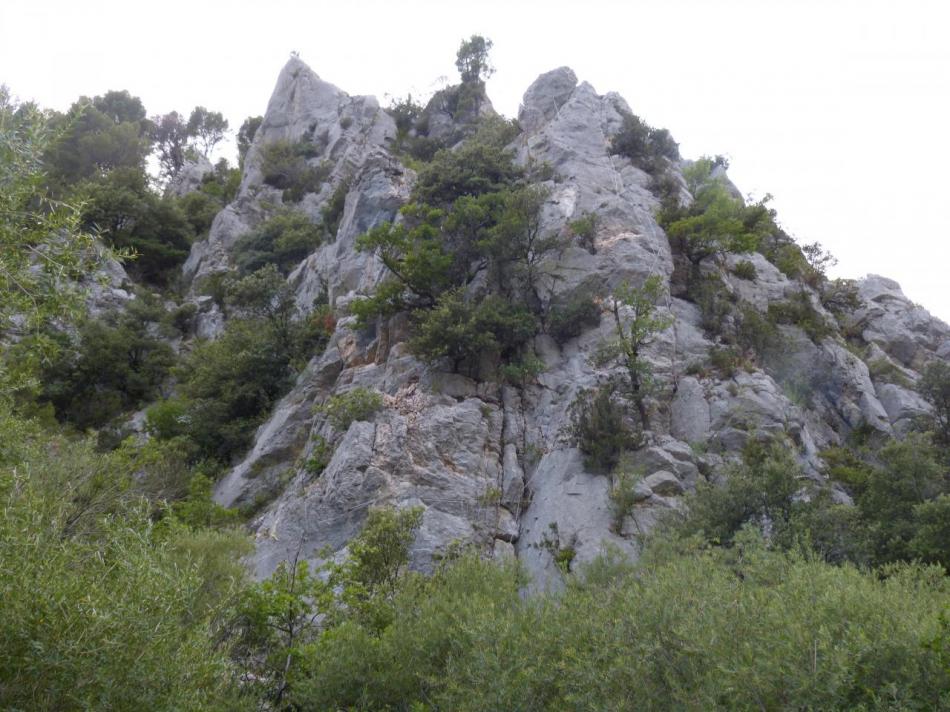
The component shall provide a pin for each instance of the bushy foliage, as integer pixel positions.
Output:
(934, 385)
(623, 495)
(472, 59)
(465, 331)
(282, 240)
(96, 136)
(568, 317)
(245, 136)
(286, 166)
(688, 628)
(636, 324)
(585, 230)
(799, 311)
(745, 270)
(601, 430)
(356, 404)
(102, 607)
(45, 251)
(108, 367)
(278, 624)
(649, 148)
(125, 211)
(481, 165)
(716, 221)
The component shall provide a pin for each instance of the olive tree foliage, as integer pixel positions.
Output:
(472, 59)
(43, 250)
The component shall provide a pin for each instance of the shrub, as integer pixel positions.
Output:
(799, 312)
(282, 240)
(332, 212)
(356, 404)
(109, 368)
(601, 431)
(623, 496)
(745, 270)
(286, 166)
(321, 453)
(569, 317)
(886, 371)
(464, 331)
(715, 222)
(645, 145)
(585, 229)
(229, 386)
(934, 386)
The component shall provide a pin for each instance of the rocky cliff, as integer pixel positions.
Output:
(497, 465)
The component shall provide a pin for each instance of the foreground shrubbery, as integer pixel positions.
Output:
(689, 628)
(103, 608)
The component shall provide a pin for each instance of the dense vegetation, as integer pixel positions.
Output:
(120, 578)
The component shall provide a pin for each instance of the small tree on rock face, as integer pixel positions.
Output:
(635, 328)
(246, 134)
(472, 59)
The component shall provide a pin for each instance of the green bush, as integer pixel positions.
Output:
(715, 222)
(102, 607)
(282, 240)
(356, 404)
(286, 166)
(799, 312)
(646, 146)
(465, 332)
(230, 385)
(623, 496)
(745, 270)
(601, 431)
(570, 316)
(934, 386)
(688, 628)
(320, 455)
(332, 212)
(110, 367)
(585, 230)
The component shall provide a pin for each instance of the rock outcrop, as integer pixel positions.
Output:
(498, 466)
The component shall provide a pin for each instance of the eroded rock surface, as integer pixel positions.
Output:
(498, 466)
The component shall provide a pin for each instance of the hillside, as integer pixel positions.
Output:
(419, 407)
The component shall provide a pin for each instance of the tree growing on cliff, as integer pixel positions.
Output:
(472, 59)
(636, 323)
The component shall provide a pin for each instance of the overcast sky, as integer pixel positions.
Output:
(840, 109)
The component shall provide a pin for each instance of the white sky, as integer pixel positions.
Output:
(838, 108)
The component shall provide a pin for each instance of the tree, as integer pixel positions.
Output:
(934, 385)
(281, 617)
(472, 59)
(96, 136)
(245, 136)
(170, 134)
(44, 251)
(121, 107)
(716, 221)
(634, 328)
(128, 213)
(207, 127)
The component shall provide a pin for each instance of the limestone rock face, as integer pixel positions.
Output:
(189, 178)
(494, 465)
